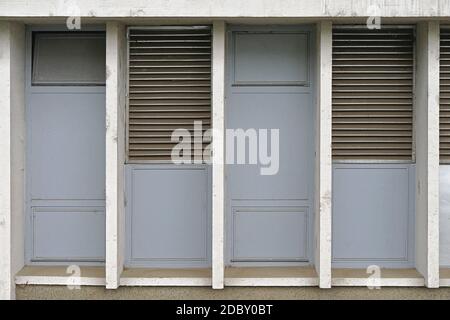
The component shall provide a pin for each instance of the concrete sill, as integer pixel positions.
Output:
(389, 278)
(57, 275)
(165, 277)
(271, 276)
(444, 274)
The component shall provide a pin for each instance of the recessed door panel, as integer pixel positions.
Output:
(66, 150)
(67, 146)
(269, 145)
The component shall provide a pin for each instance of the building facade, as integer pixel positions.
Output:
(224, 143)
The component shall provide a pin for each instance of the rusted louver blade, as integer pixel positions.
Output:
(444, 116)
(373, 74)
(169, 88)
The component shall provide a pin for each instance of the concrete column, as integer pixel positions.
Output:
(115, 151)
(323, 155)
(12, 154)
(427, 152)
(218, 170)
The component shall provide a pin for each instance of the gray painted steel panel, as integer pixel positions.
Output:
(373, 215)
(75, 60)
(67, 145)
(293, 115)
(68, 233)
(65, 169)
(444, 215)
(270, 234)
(168, 216)
(271, 58)
(270, 86)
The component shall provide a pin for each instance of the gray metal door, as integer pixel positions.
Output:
(66, 147)
(269, 93)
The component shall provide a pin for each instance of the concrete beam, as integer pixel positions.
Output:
(427, 152)
(224, 9)
(323, 155)
(12, 159)
(218, 170)
(115, 151)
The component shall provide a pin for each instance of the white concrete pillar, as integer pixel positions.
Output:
(427, 152)
(12, 154)
(218, 170)
(323, 155)
(115, 151)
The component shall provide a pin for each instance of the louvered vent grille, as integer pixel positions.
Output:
(169, 88)
(444, 116)
(373, 73)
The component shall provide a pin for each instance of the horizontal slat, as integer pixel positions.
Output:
(371, 146)
(168, 129)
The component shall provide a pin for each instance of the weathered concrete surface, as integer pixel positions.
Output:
(323, 170)
(115, 151)
(427, 152)
(12, 159)
(225, 8)
(62, 292)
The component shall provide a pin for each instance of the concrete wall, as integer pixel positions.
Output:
(229, 8)
(12, 161)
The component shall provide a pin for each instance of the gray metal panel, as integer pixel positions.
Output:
(293, 115)
(373, 215)
(78, 59)
(67, 146)
(444, 215)
(271, 58)
(270, 234)
(168, 216)
(65, 171)
(268, 217)
(68, 234)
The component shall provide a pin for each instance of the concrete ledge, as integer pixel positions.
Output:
(57, 275)
(444, 274)
(271, 276)
(165, 277)
(238, 293)
(389, 278)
